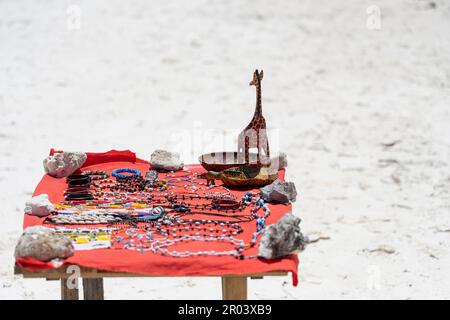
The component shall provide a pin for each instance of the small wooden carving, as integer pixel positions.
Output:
(255, 135)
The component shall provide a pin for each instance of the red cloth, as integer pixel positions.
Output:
(119, 260)
(103, 157)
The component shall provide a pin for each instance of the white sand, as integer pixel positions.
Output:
(135, 74)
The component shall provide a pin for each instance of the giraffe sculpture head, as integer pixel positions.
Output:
(257, 77)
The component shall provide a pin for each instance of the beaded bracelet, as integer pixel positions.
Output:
(79, 196)
(225, 204)
(75, 177)
(118, 173)
(78, 180)
(96, 174)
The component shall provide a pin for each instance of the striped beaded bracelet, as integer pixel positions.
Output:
(96, 174)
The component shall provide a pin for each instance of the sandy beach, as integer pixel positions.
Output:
(361, 110)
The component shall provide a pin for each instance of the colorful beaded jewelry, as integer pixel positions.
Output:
(156, 212)
(85, 218)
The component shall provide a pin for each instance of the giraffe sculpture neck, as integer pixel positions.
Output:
(258, 109)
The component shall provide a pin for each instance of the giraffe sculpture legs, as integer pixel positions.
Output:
(246, 149)
(252, 138)
(258, 145)
(264, 149)
(263, 145)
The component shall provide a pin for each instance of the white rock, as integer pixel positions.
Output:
(61, 165)
(43, 244)
(39, 206)
(165, 160)
(282, 238)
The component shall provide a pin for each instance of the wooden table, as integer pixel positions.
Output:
(234, 287)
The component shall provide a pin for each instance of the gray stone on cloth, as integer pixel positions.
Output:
(43, 244)
(282, 238)
(165, 160)
(279, 192)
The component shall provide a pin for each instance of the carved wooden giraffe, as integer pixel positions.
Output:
(255, 135)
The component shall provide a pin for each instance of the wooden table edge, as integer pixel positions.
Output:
(234, 286)
(84, 272)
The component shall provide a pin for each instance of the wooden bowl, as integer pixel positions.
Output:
(259, 180)
(219, 161)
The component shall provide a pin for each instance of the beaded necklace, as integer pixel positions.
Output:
(259, 203)
(145, 241)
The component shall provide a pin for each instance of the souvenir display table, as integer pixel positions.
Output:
(173, 225)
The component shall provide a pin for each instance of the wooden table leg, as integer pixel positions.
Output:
(234, 288)
(93, 289)
(66, 293)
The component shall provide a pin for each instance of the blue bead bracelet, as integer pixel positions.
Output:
(118, 173)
